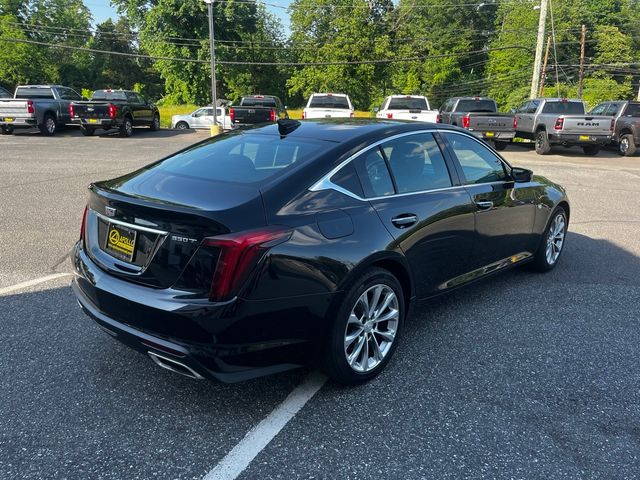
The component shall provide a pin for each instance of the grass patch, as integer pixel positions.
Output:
(167, 111)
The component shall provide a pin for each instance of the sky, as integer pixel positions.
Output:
(102, 10)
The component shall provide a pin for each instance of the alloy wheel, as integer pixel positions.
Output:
(371, 328)
(624, 145)
(50, 125)
(555, 238)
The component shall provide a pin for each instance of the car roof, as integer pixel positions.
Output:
(342, 130)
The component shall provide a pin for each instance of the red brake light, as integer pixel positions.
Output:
(559, 124)
(438, 119)
(239, 254)
(71, 112)
(84, 219)
(304, 114)
(272, 115)
(112, 110)
(30, 108)
(466, 121)
(232, 115)
(389, 115)
(351, 114)
(613, 124)
(515, 122)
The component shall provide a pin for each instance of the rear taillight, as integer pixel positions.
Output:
(515, 122)
(304, 114)
(71, 112)
(438, 118)
(84, 220)
(272, 115)
(351, 114)
(30, 108)
(559, 124)
(113, 110)
(466, 121)
(389, 115)
(239, 255)
(613, 125)
(232, 115)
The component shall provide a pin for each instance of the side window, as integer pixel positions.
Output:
(416, 163)
(479, 164)
(523, 108)
(209, 112)
(599, 109)
(374, 174)
(533, 106)
(612, 111)
(347, 178)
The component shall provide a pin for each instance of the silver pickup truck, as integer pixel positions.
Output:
(43, 106)
(560, 121)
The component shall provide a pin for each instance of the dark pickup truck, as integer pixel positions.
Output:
(626, 129)
(257, 109)
(480, 116)
(117, 109)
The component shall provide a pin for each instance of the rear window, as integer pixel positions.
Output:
(564, 108)
(408, 104)
(241, 158)
(476, 106)
(328, 101)
(34, 93)
(633, 110)
(258, 102)
(104, 95)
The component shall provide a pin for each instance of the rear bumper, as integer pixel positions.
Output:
(228, 342)
(99, 123)
(19, 122)
(488, 135)
(572, 139)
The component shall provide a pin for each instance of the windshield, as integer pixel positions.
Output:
(241, 158)
(27, 93)
(328, 101)
(407, 104)
(476, 106)
(564, 108)
(104, 95)
(633, 110)
(258, 102)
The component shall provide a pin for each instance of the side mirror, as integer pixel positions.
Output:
(376, 109)
(521, 175)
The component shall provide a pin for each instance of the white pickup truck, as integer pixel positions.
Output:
(408, 107)
(328, 105)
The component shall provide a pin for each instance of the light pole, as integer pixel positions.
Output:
(212, 45)
(535, 78)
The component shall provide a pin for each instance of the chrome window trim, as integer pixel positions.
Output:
(133, 226)
(325, 182)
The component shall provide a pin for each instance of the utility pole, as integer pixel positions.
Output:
(535, 78)
(214, 99)
(581, 74)
(543, 75)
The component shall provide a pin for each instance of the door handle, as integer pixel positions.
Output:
(484, 205)
(405, 220)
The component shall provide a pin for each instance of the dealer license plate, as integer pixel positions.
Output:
(490, 134)
(9, 119)
(93, 120)
(121, 242)
(585, 138)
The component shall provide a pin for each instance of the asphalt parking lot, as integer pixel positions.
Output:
(523, 376)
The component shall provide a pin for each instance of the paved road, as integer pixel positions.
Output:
(523, 376)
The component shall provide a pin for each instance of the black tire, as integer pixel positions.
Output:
(335, 361)
(87, 131)
(627, 145)
(155, 123)
(6, 129)
(541, 262)
(126, 129)
(500, 146)
(543, 147)
(182, 126)
(48, 126)
(591, 150)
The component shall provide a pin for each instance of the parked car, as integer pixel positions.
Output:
(117, 109)
(407, 107)
(480, 116)
(4, 93)
(257, 109)
(561, 121)
(202, 118)
(626, 129)
(304, 243)
(43, 106)
(328, 105)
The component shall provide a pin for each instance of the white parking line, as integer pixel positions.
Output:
(234, 463)
(31, 283)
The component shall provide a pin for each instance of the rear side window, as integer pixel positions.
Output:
(532, 107)
(104, 95)
(328, 101)
(476, 106)
(27, 93)
(347, 178)
(408, 104)
(241, 158)
(612, 111)
(478, 163)
(564, 108)
(374, 174)
(633, 110)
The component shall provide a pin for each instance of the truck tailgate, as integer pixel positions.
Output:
(10, 109)
(415, 115)
(585, 125)
(314, 112)
(251, 115)
(491, 122)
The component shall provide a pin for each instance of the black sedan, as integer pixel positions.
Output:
(304, 243)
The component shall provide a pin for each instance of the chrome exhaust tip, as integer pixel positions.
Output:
(174, 366)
